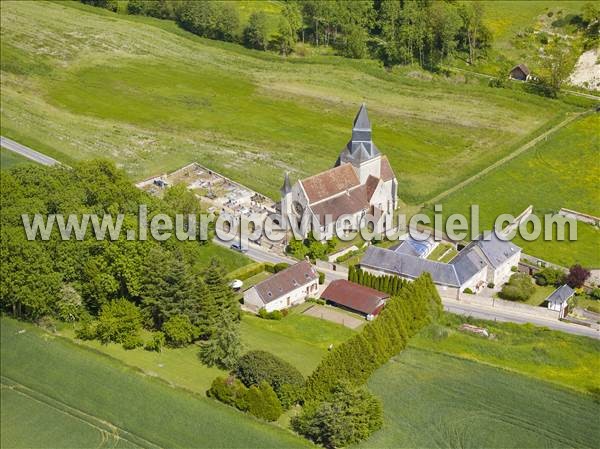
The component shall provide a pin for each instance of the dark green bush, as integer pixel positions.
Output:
(321, 277)
(179, 331)
(491, 285)
(280, 267)
(86, 329)
(263, 402)
(156, 342)
(133, 341)
(257, 366)
(274, 315)
(348, 416)
(518, 288)
(230, 391)
(468, 291)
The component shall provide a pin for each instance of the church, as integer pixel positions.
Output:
(361, 183)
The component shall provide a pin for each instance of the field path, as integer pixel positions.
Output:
(504, 160)
(106, 428)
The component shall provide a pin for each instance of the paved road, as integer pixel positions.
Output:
(504, 314)
(27, 152)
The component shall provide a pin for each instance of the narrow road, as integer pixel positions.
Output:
(27, 152)
(504, 160)
(504, 314)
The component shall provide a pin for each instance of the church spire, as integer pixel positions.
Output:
(361, 121)
(287, 185)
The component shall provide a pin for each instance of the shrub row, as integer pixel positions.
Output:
(260, 401)
(348, 255)
(247, 271)
(386, 283)
(356, 359)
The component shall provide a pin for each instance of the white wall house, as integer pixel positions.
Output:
(558, 301)
(284, 289)
(487, 259)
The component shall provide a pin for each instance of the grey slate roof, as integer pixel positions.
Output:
(409, 266)
(467, 264)
(287, 185)
(561, 295)
(496, 251)
(361, 121)
(282, 283)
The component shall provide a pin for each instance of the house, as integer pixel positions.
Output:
(357, 298)
(284, 289)
(520, 72)
(486, 260)
(361, 182)
(558, 300)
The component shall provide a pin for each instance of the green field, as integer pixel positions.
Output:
(298, 339)
(151, 97)
(434, 400)
(537, 352)
(562, 171)
(9, 159)
(58, 386)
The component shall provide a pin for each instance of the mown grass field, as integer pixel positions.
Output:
(301, 340)
(562, 171)
(79, 82)
(61, 377)
(9, 159)
(437, 401)
(569, 360)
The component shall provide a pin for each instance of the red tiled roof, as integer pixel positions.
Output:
(371, 186)
(354, 296)
(330, 182)
(347, 203)
(286, 281)
(386, 169)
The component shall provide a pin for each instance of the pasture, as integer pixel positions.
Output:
(562, 171)
(552, 356)
(69, 386)
(79, 82)
(437, 401)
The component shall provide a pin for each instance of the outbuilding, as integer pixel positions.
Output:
(558, 300)
(520, 72)
(354, 297)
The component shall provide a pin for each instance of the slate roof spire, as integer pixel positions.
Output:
(287, 185)
(361, 121)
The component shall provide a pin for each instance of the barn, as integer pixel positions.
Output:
(365, 301)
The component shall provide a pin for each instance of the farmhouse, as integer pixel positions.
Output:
(284, 289)
(355, 297)
(361, 182)
(482, 262)
(520, 72)
(558, 300)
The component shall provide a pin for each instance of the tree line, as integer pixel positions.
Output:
(393, 31)
(110, 289)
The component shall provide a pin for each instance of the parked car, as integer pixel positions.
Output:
(238, 247)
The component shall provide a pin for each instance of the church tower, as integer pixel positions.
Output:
(360, 151)
(286, 198)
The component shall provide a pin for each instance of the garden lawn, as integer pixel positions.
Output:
(299, 339)
(79, 82)
(104, 393)
(537, 352)
(437, 401)
(540, 294)
(562, 171)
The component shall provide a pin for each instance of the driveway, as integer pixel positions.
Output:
(335, 316)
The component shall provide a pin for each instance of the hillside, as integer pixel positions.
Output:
(79, 82)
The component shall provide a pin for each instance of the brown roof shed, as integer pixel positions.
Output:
(359, 298)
